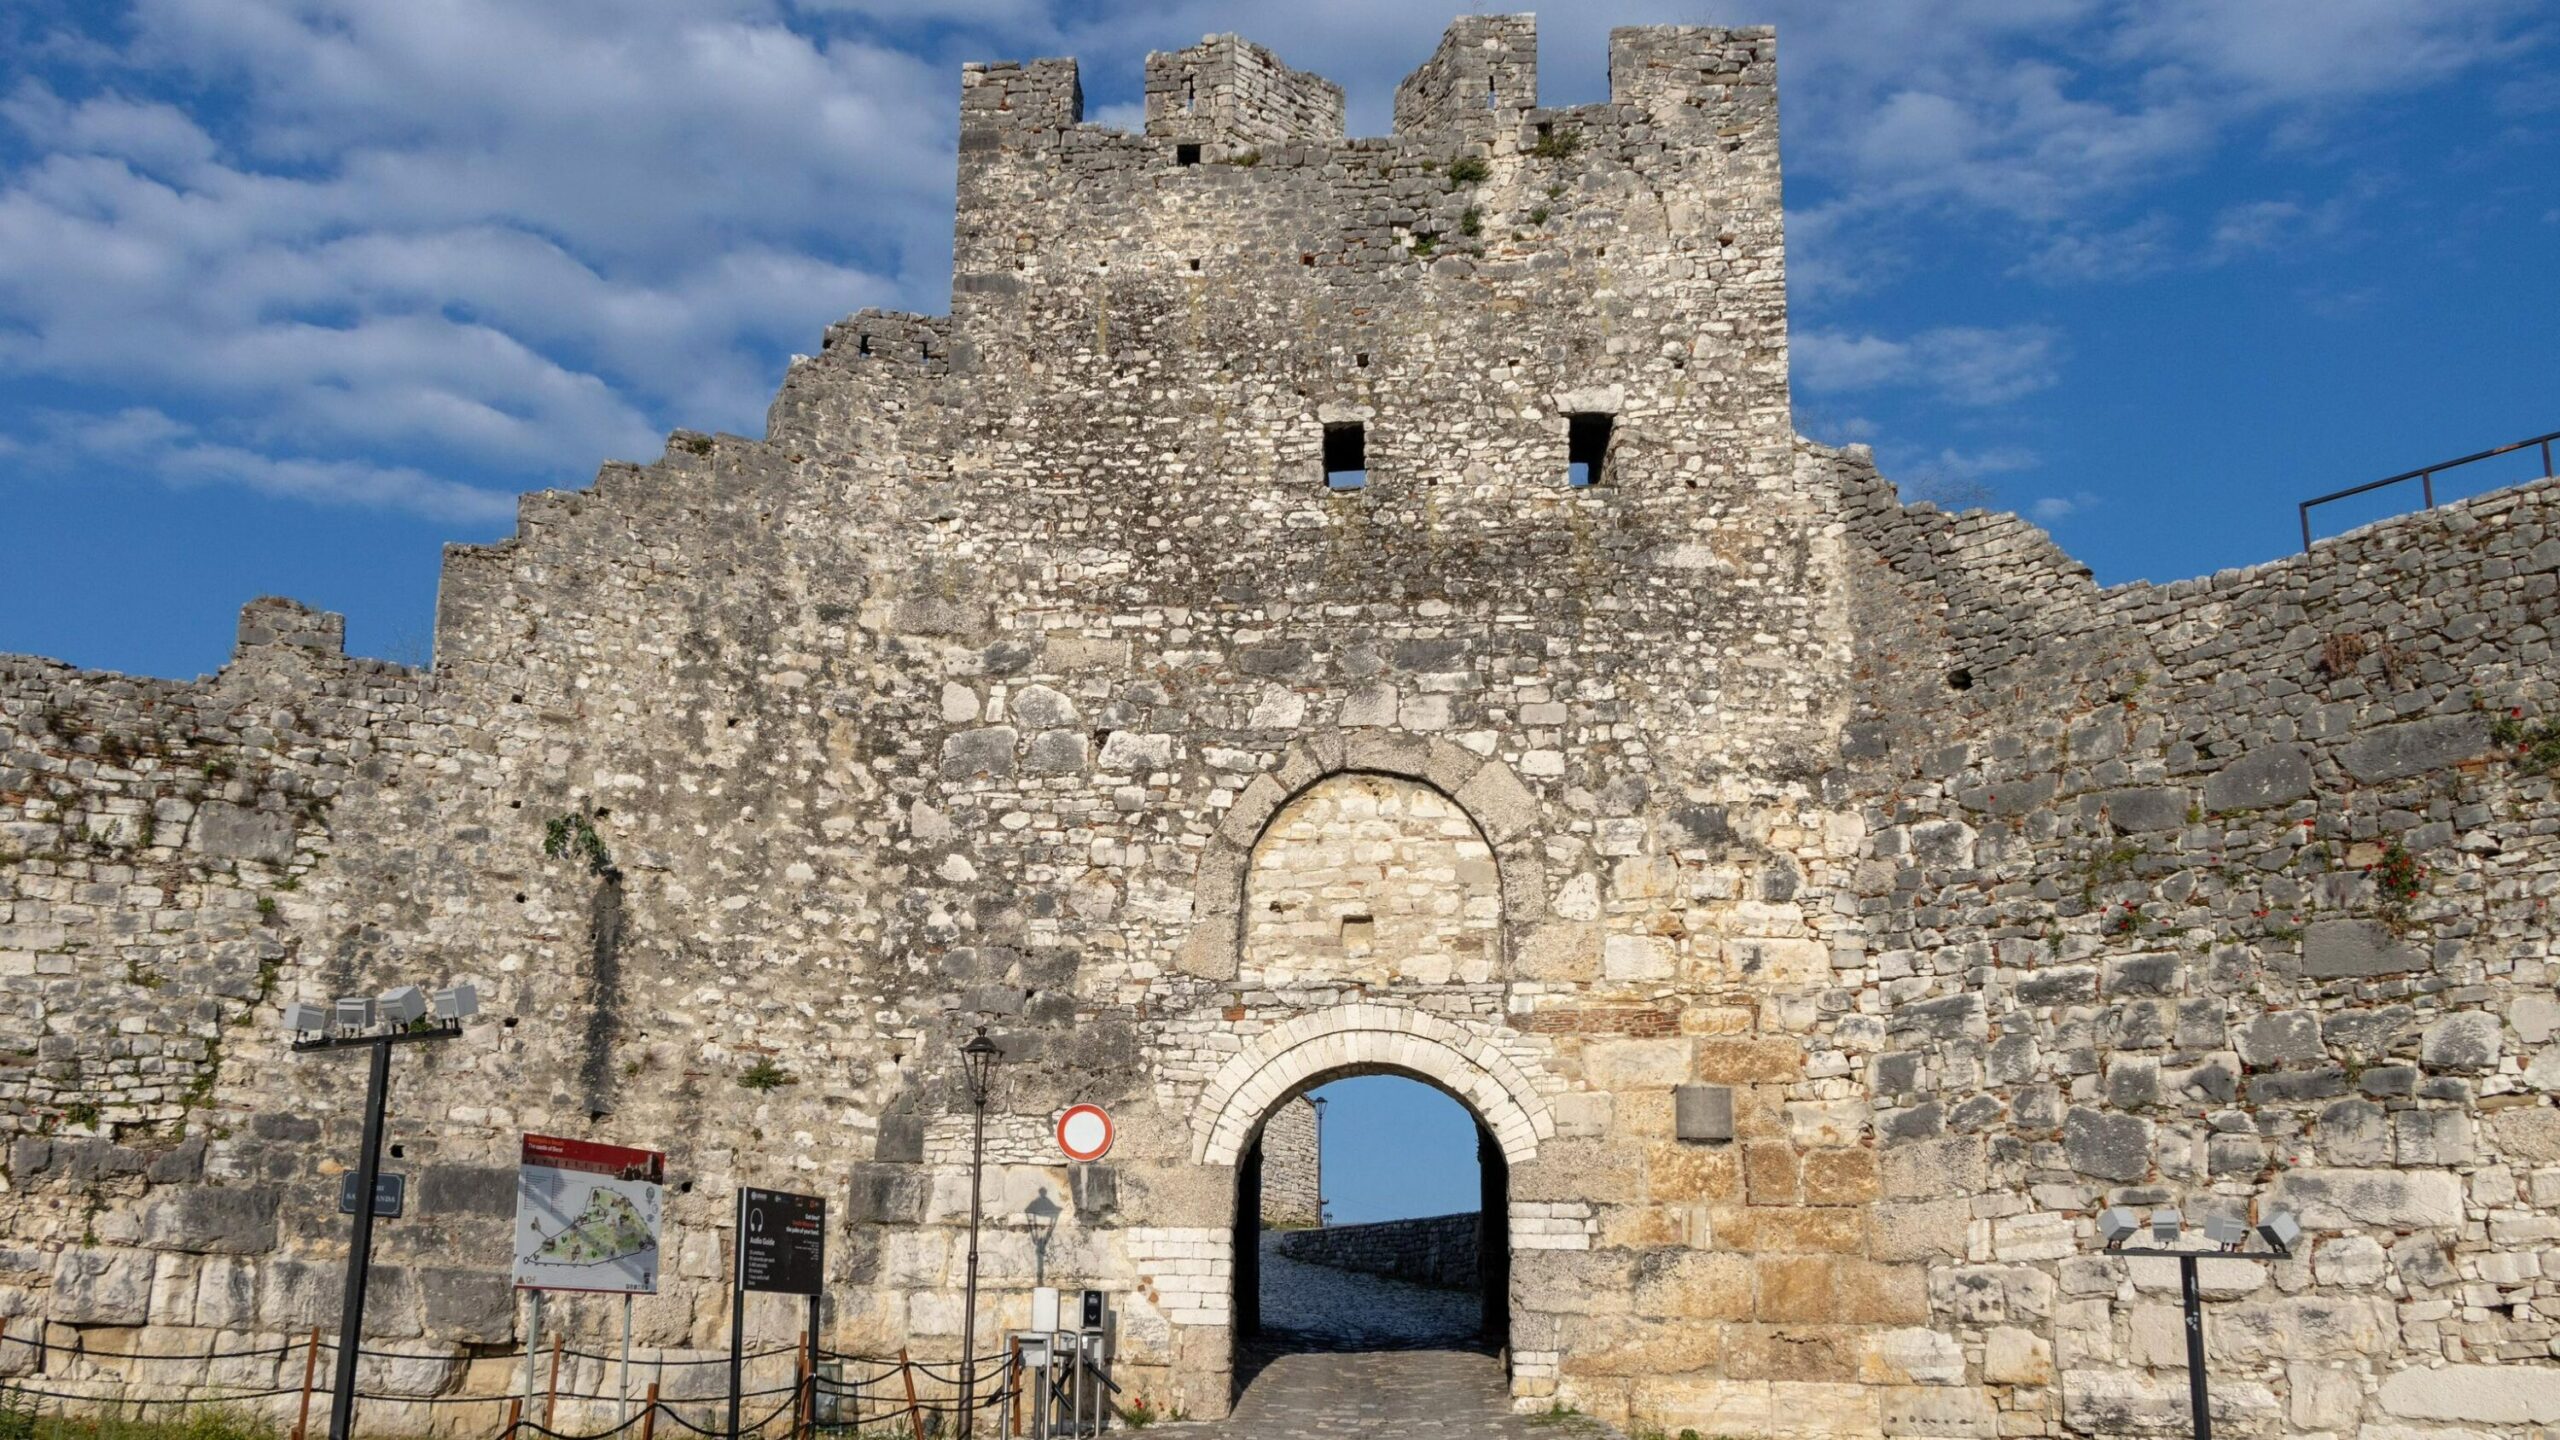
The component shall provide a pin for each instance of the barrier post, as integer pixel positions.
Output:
(907, 1372)
(804, 1397)
(649, 1417)
(551, 1394)
(1013, 1378)
(515, 1416)
(310, 1372)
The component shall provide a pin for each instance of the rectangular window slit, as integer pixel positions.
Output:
(1195, 264)
(862, 345)
(1346, 456)
(1359, 934)
(1586, 449)
(1186, 154)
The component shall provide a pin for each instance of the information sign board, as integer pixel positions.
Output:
(587, 1216)
(782, 1241)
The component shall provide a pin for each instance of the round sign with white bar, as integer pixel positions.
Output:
(1084, 1132)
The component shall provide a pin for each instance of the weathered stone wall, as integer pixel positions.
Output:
(1428, 1250)
(1003, 683)
(1293, 1166)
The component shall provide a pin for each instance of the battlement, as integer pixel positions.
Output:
(1485, 71)
(1232, 93)
(1227, 95)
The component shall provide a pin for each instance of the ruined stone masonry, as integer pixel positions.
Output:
(1030, 670)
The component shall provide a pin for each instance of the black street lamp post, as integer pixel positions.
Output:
(398, 1017)
(978, 1066)
(2230, 1237)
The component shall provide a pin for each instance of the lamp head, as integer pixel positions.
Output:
(457, 1003)
(2165, 1225)
(2116, 1225)
(978, 1060)
(353, 1012)
(2227, 1232)
(305, 1019)
(402, 1006)
(2281, 1232)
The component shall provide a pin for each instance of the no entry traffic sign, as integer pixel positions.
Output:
(1084, 1132)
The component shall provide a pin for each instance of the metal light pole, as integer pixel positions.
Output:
(978, 1065)
(398, 1017)
(2230, 1237)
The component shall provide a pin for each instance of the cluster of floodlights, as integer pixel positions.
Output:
(2228, 1234)
(394, 1009)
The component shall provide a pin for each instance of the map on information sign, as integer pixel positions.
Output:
(587, 1216)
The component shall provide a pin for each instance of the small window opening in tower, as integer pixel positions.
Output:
(1346, 456)
(1195, 264)
(1491, 100)
(862, 345)
(1359, 934)
(1586, 449)
(1190, 94)
(1186, 154)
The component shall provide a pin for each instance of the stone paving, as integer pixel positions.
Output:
(1344, 1354)
(1318, 1307)
(1403, 1394)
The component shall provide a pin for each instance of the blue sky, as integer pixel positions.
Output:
(294, 291)
(1393, 1148)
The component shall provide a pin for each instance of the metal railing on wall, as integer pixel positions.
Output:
(2425, 475)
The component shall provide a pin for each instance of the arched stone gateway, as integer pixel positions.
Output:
(1367, 1038)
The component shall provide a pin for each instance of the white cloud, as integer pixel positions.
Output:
(2048, 509)
(475, 234)
(1962, 364)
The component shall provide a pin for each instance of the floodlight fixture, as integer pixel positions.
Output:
(2166, 1222)
(2228, 1232)
(304, 1019)
(2117, 1225)
(2281, 1232)
(404, 1005)
(355, 1012)
(457, 1002)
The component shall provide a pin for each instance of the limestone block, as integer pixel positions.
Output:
(2486, 1394)
(1913, 1355)
(2335, 1199)
(97, 1285)
(2389, 752)
(2108, 1145)
(2466, 1041)
(1929, 1229)
(1933, 1169)
(1956, 1412)
(2112, 1402)
(2270, 775)
(983, 752)
(2011, 1356)
(2339, 949)
(230, 832)
(207, 1219)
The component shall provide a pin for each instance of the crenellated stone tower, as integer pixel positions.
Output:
(1324, 606)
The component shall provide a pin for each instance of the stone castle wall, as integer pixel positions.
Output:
(1028, 659)
(1293, 1167)
(1430, 1250)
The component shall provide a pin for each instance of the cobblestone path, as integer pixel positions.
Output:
(1385, 1395)
(1346, 1356)
(1319, 1307)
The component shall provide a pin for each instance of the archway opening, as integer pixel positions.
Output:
(1371, 1214)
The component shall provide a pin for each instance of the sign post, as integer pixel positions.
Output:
(781, 1250)
(587, 1218)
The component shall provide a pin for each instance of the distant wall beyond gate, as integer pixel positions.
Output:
(1429, 1250)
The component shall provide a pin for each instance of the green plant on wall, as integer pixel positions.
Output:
(2399, 878)
(2534, 745)
(573, 836)
(765, 1075)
